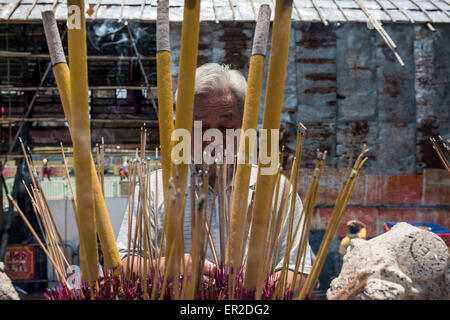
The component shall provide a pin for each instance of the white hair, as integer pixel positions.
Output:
(213, 76)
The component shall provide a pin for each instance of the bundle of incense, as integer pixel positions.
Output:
(442, 149)
(52, 240)
(336, 215)
(305, 221)
(51, 250)
(152, 281)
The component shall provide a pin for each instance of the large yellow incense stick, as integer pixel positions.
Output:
(165, 105)
(81, 137)
(184, 112)
(165, 101)
(186, 76)
(250, 121)
(271, 121)
(62, 76)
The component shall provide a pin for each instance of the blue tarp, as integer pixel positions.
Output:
(430, 226)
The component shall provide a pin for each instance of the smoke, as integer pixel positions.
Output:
(110, 38)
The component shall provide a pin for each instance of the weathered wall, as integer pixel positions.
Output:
(346, 86)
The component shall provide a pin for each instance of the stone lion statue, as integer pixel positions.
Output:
(7, 291)
(405, 263)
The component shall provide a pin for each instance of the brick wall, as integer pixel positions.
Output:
(377, 199)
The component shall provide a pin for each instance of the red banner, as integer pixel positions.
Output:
(19, 262)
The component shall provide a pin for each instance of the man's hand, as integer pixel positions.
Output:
(209, 268)
(299, 281)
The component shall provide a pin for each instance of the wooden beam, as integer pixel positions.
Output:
(297, 10)
(216, 17)
(121, 10)
(31, 9)
(402, 11)
(341, 10)
(29, 55)
(320, 12)
(426, 13)
(113, 121)
(55, 3)
(232, 9)
(142, 9)
(391, 44)
(16, 5)
(439, 7)
(385, 10)
(97, 6)
(95, 88)
(254, 9)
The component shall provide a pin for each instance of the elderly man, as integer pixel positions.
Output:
(219, 102)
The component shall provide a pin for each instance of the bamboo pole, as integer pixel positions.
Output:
(239, 198)
(271, 121)
(62, 76)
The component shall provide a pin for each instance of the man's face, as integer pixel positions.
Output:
(217, 110)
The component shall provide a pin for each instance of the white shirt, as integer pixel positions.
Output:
(122, 238)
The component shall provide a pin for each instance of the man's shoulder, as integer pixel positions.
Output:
(254, 176)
